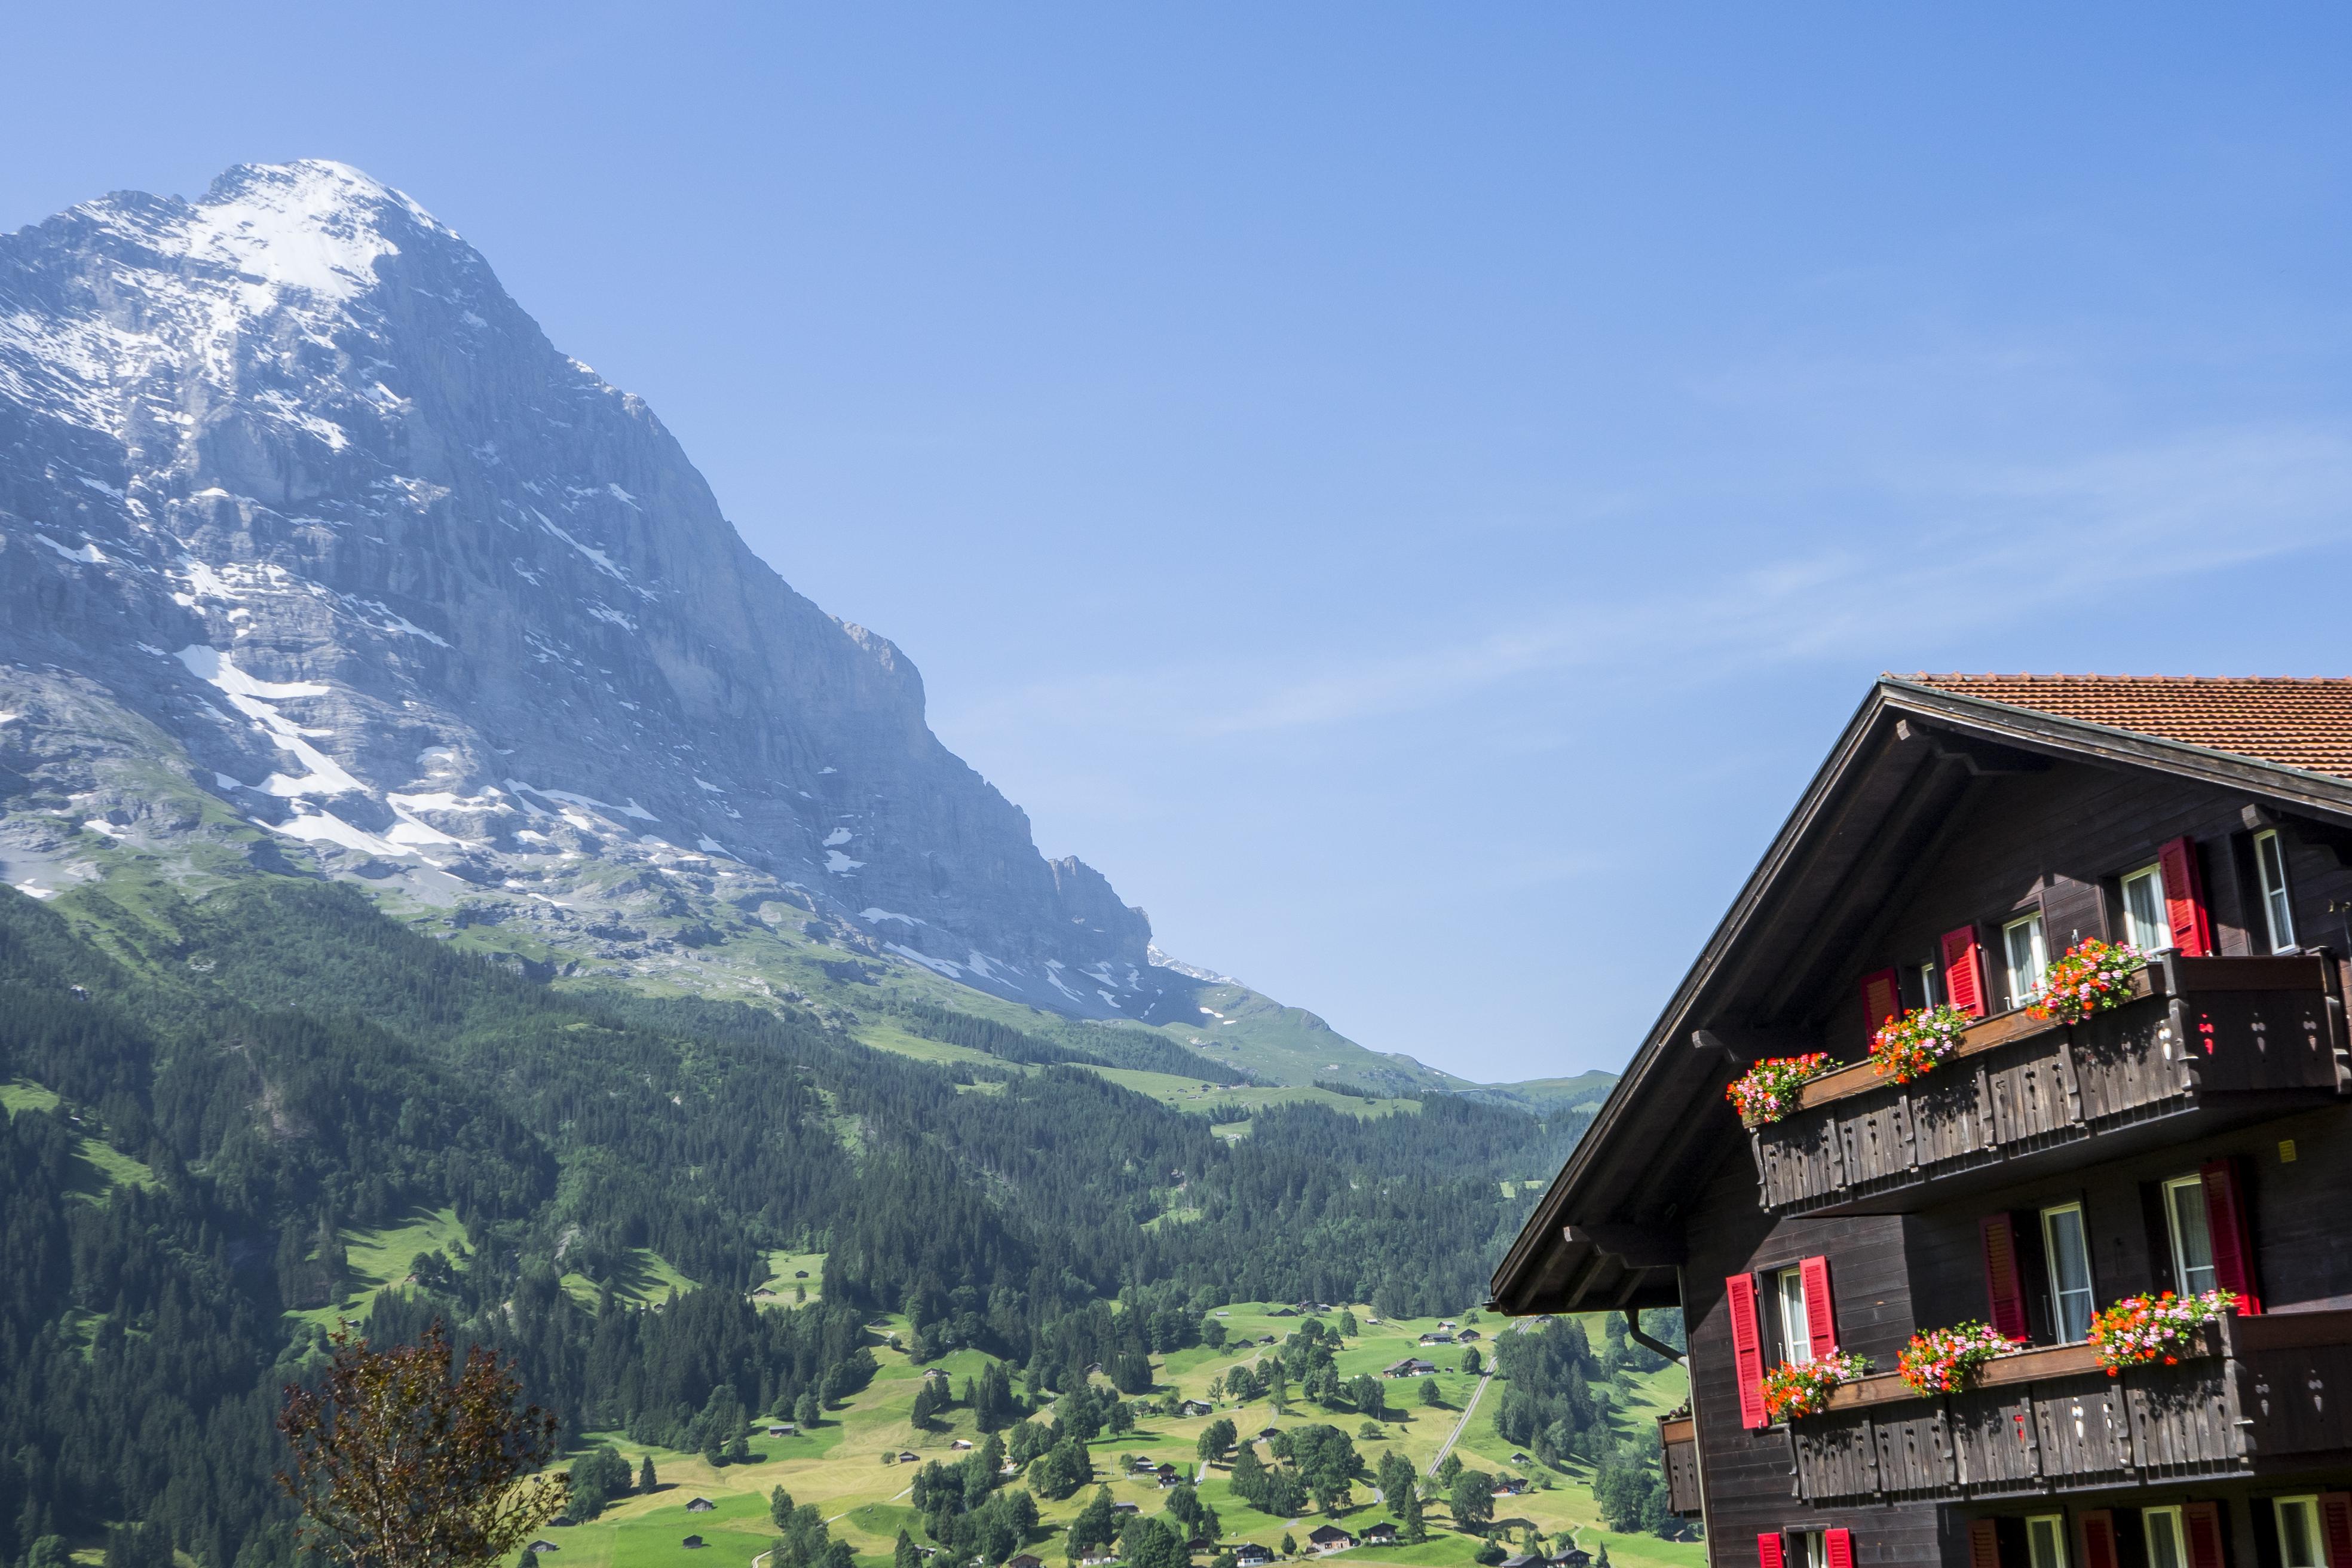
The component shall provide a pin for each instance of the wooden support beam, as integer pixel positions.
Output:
(1635, 1247)
(1978, 755)
(1740, 1046)
(1582, 1278)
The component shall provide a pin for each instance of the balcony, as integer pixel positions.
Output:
(2267, 1394)
(2205, 1043)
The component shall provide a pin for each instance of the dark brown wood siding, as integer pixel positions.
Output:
(2056, 841)
(1748, 1473)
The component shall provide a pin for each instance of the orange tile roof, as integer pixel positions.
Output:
(2294, 722)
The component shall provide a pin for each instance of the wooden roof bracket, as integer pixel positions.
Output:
(1979, 757)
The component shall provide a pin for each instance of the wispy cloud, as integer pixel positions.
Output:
(1975, 546)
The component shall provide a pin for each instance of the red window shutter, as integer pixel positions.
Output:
(1984, 1544)
(1746, 1350)
(1881, 998)
(2335, 1527)
(2233, 1241)
(1769, 1551)
(2202, 1523)
(1820, 1317)
(2004, 1292)
(2099, 1539)
(2184, 898)
(1963, 974)
(1841, 1547)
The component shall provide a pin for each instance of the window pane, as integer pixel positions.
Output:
(2298, 1533)
(2192, 1247)
(1796, 1342)
(2026, 961)
(2163, 1538)
(2046, 1540)
(2070, 1272)
(2144, 922)
(2271, 859)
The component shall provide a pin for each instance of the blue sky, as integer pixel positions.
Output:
(1410, 492)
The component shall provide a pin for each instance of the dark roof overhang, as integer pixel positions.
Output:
(1602, 1232)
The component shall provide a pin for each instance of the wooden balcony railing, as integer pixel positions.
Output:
(2048, 1421)
(2222, 1040)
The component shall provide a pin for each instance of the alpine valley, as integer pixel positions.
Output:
(448, 875)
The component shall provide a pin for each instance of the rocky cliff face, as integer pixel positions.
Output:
(306, 527)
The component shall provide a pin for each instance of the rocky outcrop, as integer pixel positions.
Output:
(296, 503)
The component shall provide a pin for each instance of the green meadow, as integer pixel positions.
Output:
(849, 1466)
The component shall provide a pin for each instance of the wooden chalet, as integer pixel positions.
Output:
(1964, 832)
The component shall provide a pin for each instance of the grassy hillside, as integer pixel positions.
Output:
(847, 1465)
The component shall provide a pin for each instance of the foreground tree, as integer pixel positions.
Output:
(397, 1465)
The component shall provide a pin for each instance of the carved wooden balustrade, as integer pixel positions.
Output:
(2213, 1041)
(2048, 1421)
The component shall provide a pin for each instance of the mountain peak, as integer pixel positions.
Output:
(310, 225)
(305, 512)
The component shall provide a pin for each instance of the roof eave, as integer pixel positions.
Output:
(2298, 787)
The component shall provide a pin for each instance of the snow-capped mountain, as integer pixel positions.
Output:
(314, 549)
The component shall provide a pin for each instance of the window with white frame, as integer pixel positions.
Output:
(1812, 1549)
(2298, 1532)
(2193, 1243)
(2028, 957)
(2068, 1249)
(2160, 1528)
(2144, 925)
(1795, 1339)
(2045, 1541)
(2270, 866)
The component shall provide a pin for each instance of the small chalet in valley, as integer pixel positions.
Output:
(1947, 1119)
(1412, 1366)
(699, 1505)
(1024, 1560)
(1381, 1534)
(1329, 1538)
(1252, 1555)
(1197, 1408)
(1436, 1337)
